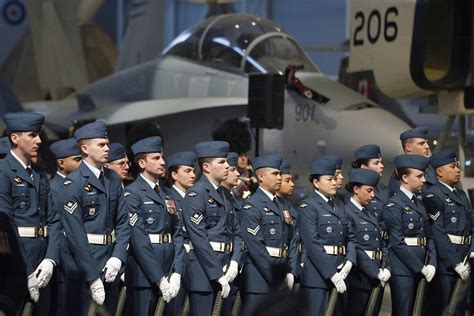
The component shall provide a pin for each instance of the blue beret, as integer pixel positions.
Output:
(5, 145)
(322, 166)
(23, 121)
(65, 148)
(97, 129)
(232, 158)
(184, 158)
(151, 144)
(212, 149)
(267, 161)
(417, 132)
(116, 152)
(443, 157)
(367, 152)
(336, 159)
(285, 167)
(411, 161)
(364, 176)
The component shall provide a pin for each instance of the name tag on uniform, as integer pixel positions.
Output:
(326, 215)
(148, 202)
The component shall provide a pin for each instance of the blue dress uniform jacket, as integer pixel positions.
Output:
(12, 269)
(263, 225)
(319, 225)
(208, 216)
(450, 213)
(26, 201)
(151, 213)
(367, 232)
(88, 207)
(405, 219)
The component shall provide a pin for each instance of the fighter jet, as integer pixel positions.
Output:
(201, 80)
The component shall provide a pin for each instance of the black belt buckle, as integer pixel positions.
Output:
(422, 241)
(165, 238)
(108, 239)
(341, 250)
(39, 231)
(284, 253)
(466, 240)
(377, 255)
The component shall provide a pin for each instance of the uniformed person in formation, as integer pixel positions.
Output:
(414, 142)
(370, 157)
(450, 216)
(213, 230)
(118, 161)
(24, 198)
(328, 239)
(228, 184)
(372, 264)
(95, 219)
(181, 177)
(68, 157)
(155, 263)
(13, 276)
(412, 250)
(268, 233)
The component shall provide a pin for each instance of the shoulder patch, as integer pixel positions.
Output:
(247, 206)
(133, 218)
(70, 206)
(303, 205)
(67, 182)
(192, 194)
(390, 204)
(429, 195)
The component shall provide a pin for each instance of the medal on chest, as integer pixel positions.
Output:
(170, 206)
(287, 217)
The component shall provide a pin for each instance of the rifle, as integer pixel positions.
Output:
(420, 291)
(121, 301)
(28, 309)
(375, 293)
(458, 292)
(237, 305)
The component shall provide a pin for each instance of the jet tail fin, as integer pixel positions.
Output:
(8, 100)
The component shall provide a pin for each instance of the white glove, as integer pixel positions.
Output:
(2, 313)
(232, 271)
(175, 284)
(289, 280)
(97, 291)
(122, 277)
(113, 266)
(225, 286)
(339, 283)
(33, 287)
(387, 274)
(471, 255)
(43, 272)
(429, 272)
(463, 270)
(346, 269)
(165, 289)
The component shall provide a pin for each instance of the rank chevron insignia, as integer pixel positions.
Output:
(133, 219)
(196, 218)
(254, 231)
(434, 217)
(70, 206)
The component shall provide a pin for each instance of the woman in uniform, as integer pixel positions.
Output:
(412, 251)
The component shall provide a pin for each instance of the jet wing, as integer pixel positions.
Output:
(61, 114)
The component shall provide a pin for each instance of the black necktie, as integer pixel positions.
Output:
(157, 189)
(101, 177)
(30, 172)
(331, 203)
(414, 199)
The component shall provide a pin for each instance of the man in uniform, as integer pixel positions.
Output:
(68, 157)
(450, 216)
(181, 176)
(95, 219)
(414, 142)
(268, 232)
(213, 230)
(156, 259)
(118, 162)
(5, 146)
(24, 198)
